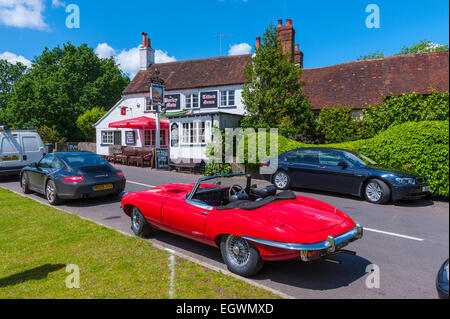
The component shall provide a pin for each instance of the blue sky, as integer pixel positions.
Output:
(329, 32)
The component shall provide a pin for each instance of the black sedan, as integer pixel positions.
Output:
(343, 171)
(72, 175)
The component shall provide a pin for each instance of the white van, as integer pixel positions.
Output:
(19, 149)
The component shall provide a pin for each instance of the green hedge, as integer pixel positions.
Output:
(421, 147)
(335, 125)
(410, 107)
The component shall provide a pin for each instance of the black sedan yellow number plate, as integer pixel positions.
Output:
(10, 158)
(103, 187)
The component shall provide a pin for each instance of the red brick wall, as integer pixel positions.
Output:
(359, 83)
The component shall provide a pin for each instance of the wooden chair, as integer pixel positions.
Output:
(141, 157)
(123, 157)
(188, 163)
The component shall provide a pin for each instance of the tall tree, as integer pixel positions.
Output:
(62, 84)
(9, 75)
(274, 98)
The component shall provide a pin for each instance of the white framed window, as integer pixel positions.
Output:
(186, 134)
(201, 132)
(227, 98)
(194, 133)
(107, 138)
(192, 101)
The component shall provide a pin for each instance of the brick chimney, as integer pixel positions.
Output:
(286, 35)
(298, 56)
(146, 53)
(258, 43)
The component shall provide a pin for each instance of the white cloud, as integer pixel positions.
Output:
(14, 58)
(128, 60)
(23, 14)
(163, 57)
(241, 48)
(103, 51)
(58, 3)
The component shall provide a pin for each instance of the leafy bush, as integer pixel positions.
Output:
(216, 162)
(217, 169)
(336, 125)
(50, 135)
(89, 118)
(419, 147)
(422, 148)
(253, 161)
(409, 107)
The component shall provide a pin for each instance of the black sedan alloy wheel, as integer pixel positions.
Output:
(51, 193)
(24, 184)
(377, 192)
(281, 180)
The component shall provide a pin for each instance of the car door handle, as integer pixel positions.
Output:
(204, 213)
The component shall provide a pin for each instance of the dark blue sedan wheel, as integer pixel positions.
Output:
(281, 180)
(377, 192)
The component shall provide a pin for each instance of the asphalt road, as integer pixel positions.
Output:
(408, 242)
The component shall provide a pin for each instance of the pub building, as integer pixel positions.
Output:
(206, 93)
(200, 95)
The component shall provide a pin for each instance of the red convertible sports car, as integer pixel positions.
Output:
(249, 226)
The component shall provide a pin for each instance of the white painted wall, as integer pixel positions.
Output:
(136, 108)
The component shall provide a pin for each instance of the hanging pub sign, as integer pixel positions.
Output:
(130, 138)
(157, 94)
(208, 99)
(157, 90)
(172, 102)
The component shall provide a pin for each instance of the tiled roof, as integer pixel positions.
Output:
(192, 74)
(366, 82)
(355, 83)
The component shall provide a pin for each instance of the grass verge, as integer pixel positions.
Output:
(38, 242)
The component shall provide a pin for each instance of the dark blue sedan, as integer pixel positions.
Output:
(72, 175)
(345, 172)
